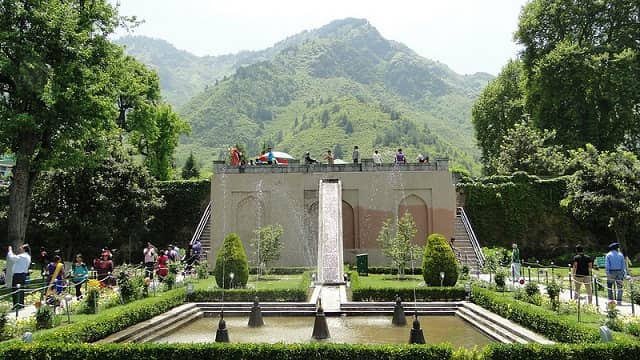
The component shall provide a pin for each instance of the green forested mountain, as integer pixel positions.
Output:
(334, 87)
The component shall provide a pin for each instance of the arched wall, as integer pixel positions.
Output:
(348, 226)
(250, 215)
(420, 212)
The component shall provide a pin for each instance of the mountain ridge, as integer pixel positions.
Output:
(320, 84)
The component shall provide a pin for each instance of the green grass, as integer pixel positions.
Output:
(271, 282)
(381, 281)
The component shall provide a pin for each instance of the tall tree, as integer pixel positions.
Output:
(499, 107)
(605, 192)
(582, 63)
(55, 90)
(190, 169)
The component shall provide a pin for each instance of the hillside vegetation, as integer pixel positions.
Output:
(331, 88)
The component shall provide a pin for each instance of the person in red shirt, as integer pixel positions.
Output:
(104, 268)
(162, 266)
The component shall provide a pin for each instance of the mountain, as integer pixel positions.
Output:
(334, 87)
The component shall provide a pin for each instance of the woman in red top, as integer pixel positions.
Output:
(104, 268)
(163, 267)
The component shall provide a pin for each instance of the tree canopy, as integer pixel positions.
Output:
(579, 75)
(65, 90)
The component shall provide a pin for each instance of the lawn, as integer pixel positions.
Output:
(272, 282)
(381, 281)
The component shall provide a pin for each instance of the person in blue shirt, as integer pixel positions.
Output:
(615, 266)
(270, 158)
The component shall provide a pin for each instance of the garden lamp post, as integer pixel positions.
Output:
(441, 278)
(19, 291)
(571, 286)
(67, 299)
(189, 291)
(467, 291)
(231, 276)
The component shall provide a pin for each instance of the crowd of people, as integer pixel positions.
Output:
(58, 277)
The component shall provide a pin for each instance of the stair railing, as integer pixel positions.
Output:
(201, 225)
(472, 236)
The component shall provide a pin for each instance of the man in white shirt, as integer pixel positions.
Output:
(377, 158)
(21, 263)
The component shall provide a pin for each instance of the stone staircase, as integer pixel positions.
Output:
(203, 232)
(463, 244)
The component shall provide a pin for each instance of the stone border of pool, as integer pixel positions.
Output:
(492, 325)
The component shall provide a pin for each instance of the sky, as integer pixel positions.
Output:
(467, 35)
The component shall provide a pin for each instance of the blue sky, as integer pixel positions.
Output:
(468, 35)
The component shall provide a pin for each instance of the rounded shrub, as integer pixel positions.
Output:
(232, 259)
(439, 257)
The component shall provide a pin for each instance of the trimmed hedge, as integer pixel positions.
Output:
(282, 270)
(112, 320)
(599, 351)
(225, 352)
(540, 320)
(314, 351)
(231, 259)
(439, 257)
(422, 294)
(277, 295)
(360, 293)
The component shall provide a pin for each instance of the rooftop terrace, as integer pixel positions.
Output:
(294, 166)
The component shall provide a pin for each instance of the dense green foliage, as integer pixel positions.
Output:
(227, 352)
(112, 320)
(524, 209)
(231, 259)
(66, 92)
(184, 203)
(439, 257)
(190, 169)
(604, 194)
(123, 197)
(330, 88)
(540, 320)
(578, 74)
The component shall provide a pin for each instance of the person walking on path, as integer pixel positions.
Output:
(616, 270)
(80, 274)
(21, 261)
(377, 158)
(150, 254)
(581, 270)
(515, 262)
(355, 156)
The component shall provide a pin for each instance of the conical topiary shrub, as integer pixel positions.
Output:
(439, 257)
(232, 259)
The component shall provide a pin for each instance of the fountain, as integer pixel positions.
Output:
(222, 334)
(255, 319)
(416, 337)
(320, 328)
(334, 318)
(399, 319)
(330, 242)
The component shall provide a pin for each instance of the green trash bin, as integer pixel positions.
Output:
(362, 262)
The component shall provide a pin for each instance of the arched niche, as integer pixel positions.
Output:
(348, 226)
(250, 215)
(418, 209)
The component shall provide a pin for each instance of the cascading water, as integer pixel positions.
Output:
(330, 242)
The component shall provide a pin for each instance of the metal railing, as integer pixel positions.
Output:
(202, 224)
(472, 236)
